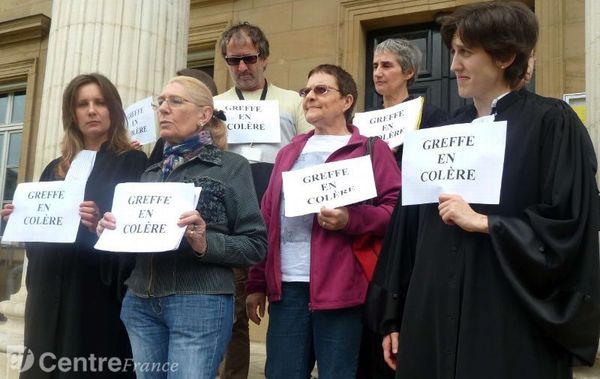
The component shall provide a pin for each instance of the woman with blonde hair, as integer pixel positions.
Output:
(178, 310)
(74, 292)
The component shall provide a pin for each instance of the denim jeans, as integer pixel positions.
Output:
(178, 336)
(296, 337)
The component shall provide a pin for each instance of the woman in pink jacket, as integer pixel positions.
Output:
(316, 286)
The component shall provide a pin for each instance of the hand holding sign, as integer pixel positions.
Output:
(332, 185)
(146, 217)
(454, 210)
(195, 231)
(333, 219)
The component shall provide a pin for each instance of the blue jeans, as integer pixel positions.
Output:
(179, 336)
(296, 337)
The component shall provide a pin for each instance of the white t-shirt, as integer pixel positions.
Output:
(296, 231)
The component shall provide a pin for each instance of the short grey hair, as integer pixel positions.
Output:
(408, 55)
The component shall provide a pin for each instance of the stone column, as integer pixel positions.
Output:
(592, 92)
(592, 70)
(137, 44)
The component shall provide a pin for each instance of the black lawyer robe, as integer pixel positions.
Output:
(521, 302)
(74, 292)
(371, 363)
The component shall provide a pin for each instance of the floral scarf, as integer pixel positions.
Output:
(174, 155)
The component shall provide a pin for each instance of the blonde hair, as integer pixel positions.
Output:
(72, 142)
(201, 95)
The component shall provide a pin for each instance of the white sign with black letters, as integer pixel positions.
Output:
(391, 124)
(146, 216)
(141, 121)
(251, 121)
(463, 159)
(332, 185)
(45, 212)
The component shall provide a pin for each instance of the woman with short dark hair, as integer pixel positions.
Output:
(315, 284)
(498, 291)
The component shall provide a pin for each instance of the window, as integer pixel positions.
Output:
(12, 112)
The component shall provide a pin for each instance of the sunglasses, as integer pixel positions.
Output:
(319, 89)
(248, 59)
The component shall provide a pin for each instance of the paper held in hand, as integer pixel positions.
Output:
(141, 121)
(251, 121)
(391, 124)
(331, 185)
(146, 216)
(45, 212)
(463, 159)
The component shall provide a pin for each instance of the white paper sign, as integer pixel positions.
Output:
(331, 185)
(463, 159)
(141, 121)
(45, 212)
(391, 124)
(82, 166)
(251, 121)
(146, 216)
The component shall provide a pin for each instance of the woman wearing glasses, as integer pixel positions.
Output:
(178, 309)
(316, 287)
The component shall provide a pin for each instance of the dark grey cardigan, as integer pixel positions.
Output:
(235, 230)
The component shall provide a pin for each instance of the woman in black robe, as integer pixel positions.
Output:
(396, 63)
(498, 291)
(74, 292)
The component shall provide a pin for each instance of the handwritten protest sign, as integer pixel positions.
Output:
(251, 121)
(147, 215)
(141, 122)
(45, 212)
(331, 185)
(463, 159)
(391, 124)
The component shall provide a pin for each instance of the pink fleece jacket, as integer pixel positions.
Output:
(336, 278)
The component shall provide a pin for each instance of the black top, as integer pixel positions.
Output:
(521, 302)
(74, 291)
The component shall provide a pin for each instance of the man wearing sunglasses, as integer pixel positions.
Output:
(246, 51)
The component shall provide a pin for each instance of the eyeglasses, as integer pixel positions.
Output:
(172, 102)
(248, 59)
(319, 89)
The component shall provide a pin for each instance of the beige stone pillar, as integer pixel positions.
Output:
(137, 44)
(592, 92)
(592, 70)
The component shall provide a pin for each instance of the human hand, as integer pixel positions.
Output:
(333, 219)
(108, 221)
(90, 214)
(390, 349)
(136, 144)
(196, 230)
(256, 301)
(7, 211)
(454, 210)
